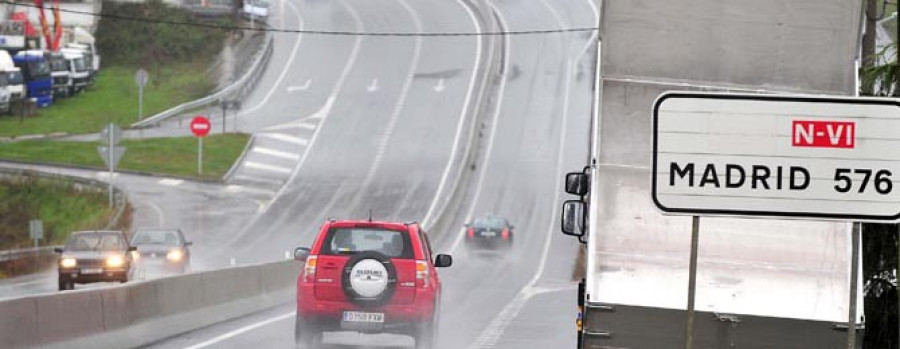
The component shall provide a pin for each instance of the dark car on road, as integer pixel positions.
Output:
(369, 277)
(489, 233)
(160, 248)
(94, 256)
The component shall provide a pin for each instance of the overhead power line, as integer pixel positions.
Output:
(313, 32)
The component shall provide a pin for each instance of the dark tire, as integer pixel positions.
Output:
(306, 335)
(426, 335)
(65, 285)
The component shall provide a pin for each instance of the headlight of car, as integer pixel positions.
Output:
(175, 255)
(114, 261)
(68, 263)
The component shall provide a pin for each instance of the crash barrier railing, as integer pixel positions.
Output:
(139, 313)
(79, 183)
(236, 91)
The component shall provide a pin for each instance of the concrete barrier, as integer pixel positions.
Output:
(140, 313)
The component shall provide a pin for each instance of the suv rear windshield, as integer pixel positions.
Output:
(349, 241)
(96, 242)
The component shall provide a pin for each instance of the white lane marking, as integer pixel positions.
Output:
(241, 330)
(462, 119)
(248, 178)
(276, 153)
(373, 86)
(501, 93)
(171, 182)
(266, 167)
(161, 218)
(492, 334)
(288, 64)
(303, 87)
(105, 175)
(440, 86)
(235, 188)
(382, 143)
(284, 138)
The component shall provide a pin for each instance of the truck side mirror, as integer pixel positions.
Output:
(572, 218)
(301, 253)
(576, 183)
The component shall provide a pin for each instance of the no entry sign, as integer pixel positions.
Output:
(777, 156)
(200, 126)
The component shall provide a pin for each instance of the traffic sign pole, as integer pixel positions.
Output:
(200, 156)
(854, 275)
(692, 282)
(111, 163)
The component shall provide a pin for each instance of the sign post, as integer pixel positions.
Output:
(141, 77)
(800, 157)
(200, 126)
(36, 230)
(111, 152)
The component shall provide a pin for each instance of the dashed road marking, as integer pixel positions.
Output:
(265, 167)
(275, 153)
(171, 182)
(285, 138)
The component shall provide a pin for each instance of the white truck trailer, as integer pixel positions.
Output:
(761, 283)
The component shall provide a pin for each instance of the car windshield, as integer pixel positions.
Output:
(79, 64)
(156, 237)
(58, 64)
(96, 242)
(490, 222)
(39, 70)
(346, 241)
(15, 78)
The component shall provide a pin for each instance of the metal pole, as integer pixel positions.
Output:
(200, 156)
(692, 283)
(854, 274)
(111, 160)
(224, 113)
(140, 102)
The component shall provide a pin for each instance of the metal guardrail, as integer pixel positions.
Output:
(9, 255)
(237, 90)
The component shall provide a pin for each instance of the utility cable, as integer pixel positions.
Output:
(312, 32)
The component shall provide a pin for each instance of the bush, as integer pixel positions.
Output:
(150, 42)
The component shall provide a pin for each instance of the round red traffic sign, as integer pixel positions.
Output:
(200, 126)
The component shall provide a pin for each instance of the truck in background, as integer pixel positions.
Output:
(78, 70)
(15, 80)
(59, 72)
(38, 81)
(90, 58)
(760, 283)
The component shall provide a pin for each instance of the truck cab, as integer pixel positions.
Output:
(38, 81)
(78, 68)
(15, 80)
(91, 59)
(59, 72)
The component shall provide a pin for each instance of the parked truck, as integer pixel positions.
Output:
(761, 283)
(78, 69)
(59, 72)
(36, 71)
(15, 80)
(90, 58)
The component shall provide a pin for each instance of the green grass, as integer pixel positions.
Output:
(168, 156)
(61, 208)
(114, 98)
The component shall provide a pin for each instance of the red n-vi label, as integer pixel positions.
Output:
(823, 134)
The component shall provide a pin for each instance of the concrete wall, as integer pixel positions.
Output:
(140, 313)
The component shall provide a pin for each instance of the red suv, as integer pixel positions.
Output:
(369, 277)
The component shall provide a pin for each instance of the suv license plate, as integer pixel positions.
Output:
(92, 270)
(355, 316)
(488, 233)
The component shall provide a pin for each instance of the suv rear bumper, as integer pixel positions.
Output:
(419, 311)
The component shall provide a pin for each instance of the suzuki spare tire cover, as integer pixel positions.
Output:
(369, 279)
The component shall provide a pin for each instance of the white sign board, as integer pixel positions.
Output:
(777, 156)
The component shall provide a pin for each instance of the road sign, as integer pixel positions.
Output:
(776, 156)
(141, 77)
(115, 153)
(111, 134)
(200, 126)
(36, 229)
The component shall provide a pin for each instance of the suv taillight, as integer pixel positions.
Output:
(505, 234)
(422, 275)
(309, 270)
(471, 233)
